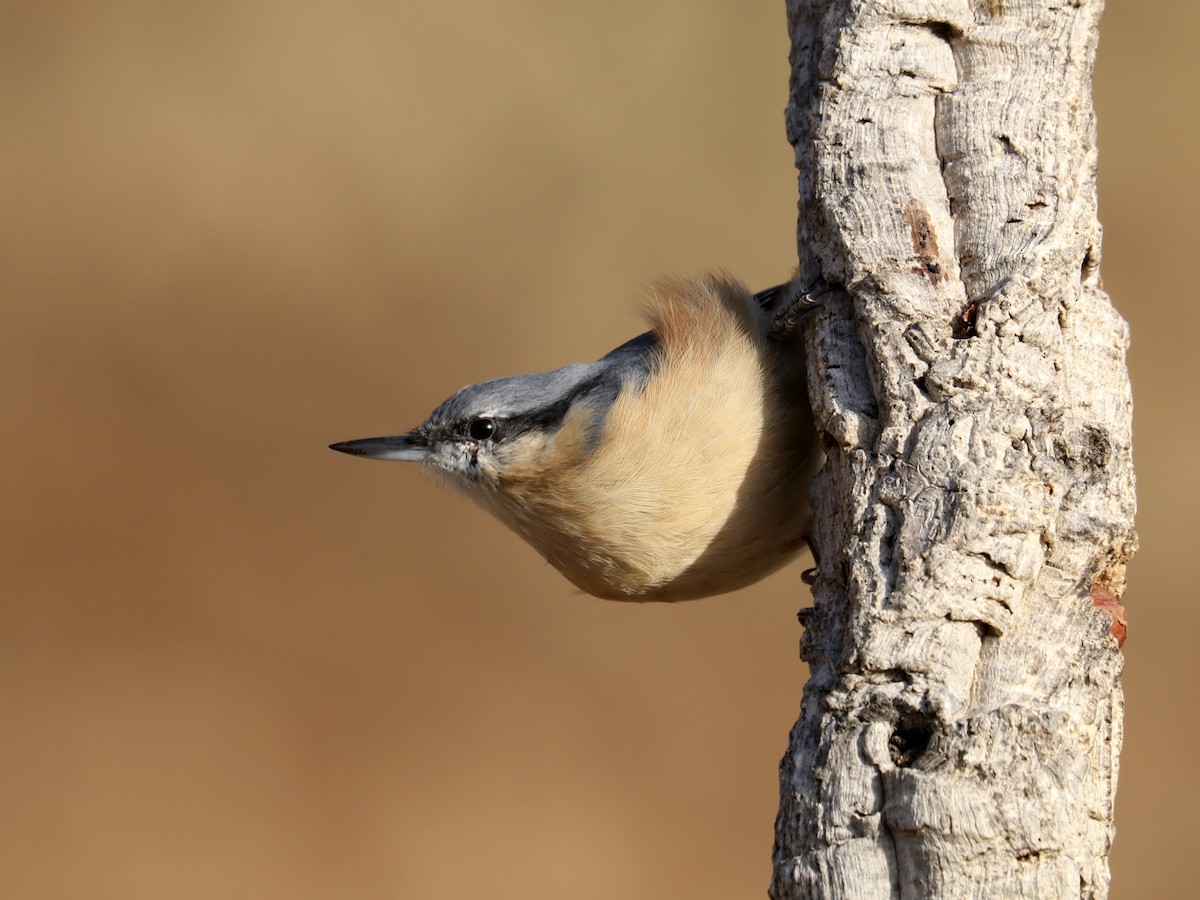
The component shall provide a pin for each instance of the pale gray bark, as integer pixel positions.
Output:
(960, 732)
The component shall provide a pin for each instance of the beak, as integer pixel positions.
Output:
(405, 447)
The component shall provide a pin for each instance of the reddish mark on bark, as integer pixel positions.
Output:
(1105, 599)
(924, 241)
(963, 325)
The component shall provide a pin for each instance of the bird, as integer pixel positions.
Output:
(675, 467)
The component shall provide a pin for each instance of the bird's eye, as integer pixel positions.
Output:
(481, 429)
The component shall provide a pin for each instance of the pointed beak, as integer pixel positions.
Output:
(405, 447)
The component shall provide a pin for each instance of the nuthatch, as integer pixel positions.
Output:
(675, 467)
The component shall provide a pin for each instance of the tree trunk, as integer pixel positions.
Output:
(960, 732)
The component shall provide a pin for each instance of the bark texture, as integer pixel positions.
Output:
(960, 732)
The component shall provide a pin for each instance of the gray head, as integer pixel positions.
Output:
(484, 428)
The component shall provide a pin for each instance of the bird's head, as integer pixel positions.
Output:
(514, 427)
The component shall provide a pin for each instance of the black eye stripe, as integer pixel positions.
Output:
(546, 418)
(551, 417)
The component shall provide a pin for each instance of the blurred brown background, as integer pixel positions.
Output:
(237, 665)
